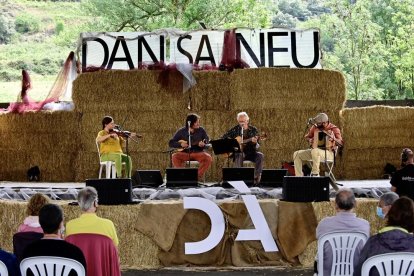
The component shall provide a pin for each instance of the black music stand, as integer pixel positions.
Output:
(225, 146)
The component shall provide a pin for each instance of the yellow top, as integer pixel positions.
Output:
(110, 144)
(90, 223)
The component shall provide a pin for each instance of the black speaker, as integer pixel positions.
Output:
(273, 177)
(305, 189)
(235, 174)
(112, 191)
(147, 178)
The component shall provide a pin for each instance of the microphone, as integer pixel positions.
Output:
(242, 126)
(310, 121)
(117, 127)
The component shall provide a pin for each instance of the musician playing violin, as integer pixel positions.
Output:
(190, 142)
(250, 136)
(324, 139)
(111, 143)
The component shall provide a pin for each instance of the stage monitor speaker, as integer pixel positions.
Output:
(112, 191)
(182, 177)
(305, 189)
(273, 178)
(147, 178)
(238, 174)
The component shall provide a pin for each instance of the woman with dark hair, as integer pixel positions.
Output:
(395, 237)
(110, 146)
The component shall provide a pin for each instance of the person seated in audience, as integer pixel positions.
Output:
(385, 202)
(395, 237)
(31, 222)
(89, 222)
(52, 243)
(10, 261)
(405, 175)
(345, 220)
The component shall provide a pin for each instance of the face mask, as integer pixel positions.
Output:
(380, 213)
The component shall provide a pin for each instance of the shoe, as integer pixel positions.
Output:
(314, 175)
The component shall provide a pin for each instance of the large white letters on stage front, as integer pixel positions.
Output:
(276, 47)
(261, 231)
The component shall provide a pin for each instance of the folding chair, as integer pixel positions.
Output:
(344, 246)
(390, 264)
(46, 265)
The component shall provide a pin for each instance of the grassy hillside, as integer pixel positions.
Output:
(41, 35)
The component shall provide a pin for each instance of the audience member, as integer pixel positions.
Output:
(89, 222)
(10, 261)
(395, 237)
(52, 244)
(31, 222)
(385, 202)
(344, 220)
(405, 175)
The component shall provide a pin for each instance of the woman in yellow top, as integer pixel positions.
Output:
(110, 146)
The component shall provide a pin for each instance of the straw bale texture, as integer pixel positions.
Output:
(46, 139)
(288, 89)
(127, 90)
(375, 136)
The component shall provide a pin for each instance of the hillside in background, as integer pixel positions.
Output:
(36, 36)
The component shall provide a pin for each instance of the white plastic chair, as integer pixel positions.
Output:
(344, 246)
(46, 265)
(108, 165)
(390, 264)
(3, 269)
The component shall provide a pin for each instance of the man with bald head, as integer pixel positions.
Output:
(345, 220)
(324, 138)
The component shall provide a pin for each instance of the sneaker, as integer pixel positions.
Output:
(314, 175)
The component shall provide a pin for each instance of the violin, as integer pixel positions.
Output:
(123, 133)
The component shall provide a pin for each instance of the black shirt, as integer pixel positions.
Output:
(250, 132)
(403, 177)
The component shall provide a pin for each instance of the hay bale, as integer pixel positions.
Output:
(293, 89)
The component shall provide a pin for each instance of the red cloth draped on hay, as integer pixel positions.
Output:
(59, 90)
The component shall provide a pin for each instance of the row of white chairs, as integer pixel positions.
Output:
(344, 246)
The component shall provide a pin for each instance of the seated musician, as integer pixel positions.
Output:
(249, 135)
(190, 142)
(110, 146)
(324, 139)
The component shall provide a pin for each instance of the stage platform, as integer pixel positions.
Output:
(68, 190)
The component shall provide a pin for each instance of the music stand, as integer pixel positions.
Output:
(225, 146)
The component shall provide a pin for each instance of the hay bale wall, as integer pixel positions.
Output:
(279, 102)
(375, 136)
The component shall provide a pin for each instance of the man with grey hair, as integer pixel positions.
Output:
(89, 222)
(385, 202)
(324, 139)
(248, 137)
(345, 220)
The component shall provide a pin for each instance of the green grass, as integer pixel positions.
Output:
(42, 53)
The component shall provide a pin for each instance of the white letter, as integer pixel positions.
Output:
(217, 225)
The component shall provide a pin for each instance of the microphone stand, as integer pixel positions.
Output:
(189, 144)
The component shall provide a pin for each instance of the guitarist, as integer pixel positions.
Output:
(193, 132)
(249, 145)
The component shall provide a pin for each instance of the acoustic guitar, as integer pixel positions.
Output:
(261, 137)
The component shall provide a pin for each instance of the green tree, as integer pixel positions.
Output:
(6, 29)
(351, 45)
(397, 21)
(148, 15)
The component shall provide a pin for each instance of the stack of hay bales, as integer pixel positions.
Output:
(278, 101)
(45, 139)
(374, 137)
